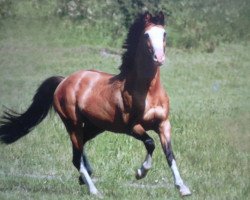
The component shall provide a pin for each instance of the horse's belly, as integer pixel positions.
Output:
(105, 119)
(103, 110)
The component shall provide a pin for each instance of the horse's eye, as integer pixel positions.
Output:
(146, 36)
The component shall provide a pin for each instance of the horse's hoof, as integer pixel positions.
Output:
(140, 173)
(97, 194)
(184, 190)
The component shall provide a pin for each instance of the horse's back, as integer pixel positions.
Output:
(88, 94)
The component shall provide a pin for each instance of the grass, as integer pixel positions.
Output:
(210, 113)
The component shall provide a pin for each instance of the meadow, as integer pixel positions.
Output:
(210, 114)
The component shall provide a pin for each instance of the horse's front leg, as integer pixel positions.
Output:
(165, 137)
(140, 134)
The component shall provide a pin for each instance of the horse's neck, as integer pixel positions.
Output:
(147, 76)
(147, 81)
(141, 83)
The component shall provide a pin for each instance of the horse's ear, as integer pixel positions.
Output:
(161, 18)
(147, 18)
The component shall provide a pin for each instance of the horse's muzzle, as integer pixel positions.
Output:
(159, 57)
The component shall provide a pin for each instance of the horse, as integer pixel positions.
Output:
(90, 102)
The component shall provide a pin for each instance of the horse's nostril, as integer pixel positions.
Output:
(155, 58)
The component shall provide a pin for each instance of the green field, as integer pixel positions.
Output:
(210, 114)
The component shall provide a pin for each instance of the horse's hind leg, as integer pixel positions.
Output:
(86, 163)
(79, 159)
(140, 134)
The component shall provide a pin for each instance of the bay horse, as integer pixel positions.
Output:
(90, 102)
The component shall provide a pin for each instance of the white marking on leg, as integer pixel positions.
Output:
(184, 190)
(177, 178)
(87, 179)
(147, 164)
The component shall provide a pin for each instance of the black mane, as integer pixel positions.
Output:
(131, 42)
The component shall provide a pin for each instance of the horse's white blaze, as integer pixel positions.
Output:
(156, 35)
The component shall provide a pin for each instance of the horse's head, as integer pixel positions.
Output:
(145, 43)
(154, 37)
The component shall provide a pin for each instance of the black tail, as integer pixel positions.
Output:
(13, 125)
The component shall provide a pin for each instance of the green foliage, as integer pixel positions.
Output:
(120, 11)
(5, 8)
(209, 22)
(191, 24)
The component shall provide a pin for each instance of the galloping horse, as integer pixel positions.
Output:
(90, 102)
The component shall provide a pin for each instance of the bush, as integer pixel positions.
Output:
(191, 24)
(5, 8)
